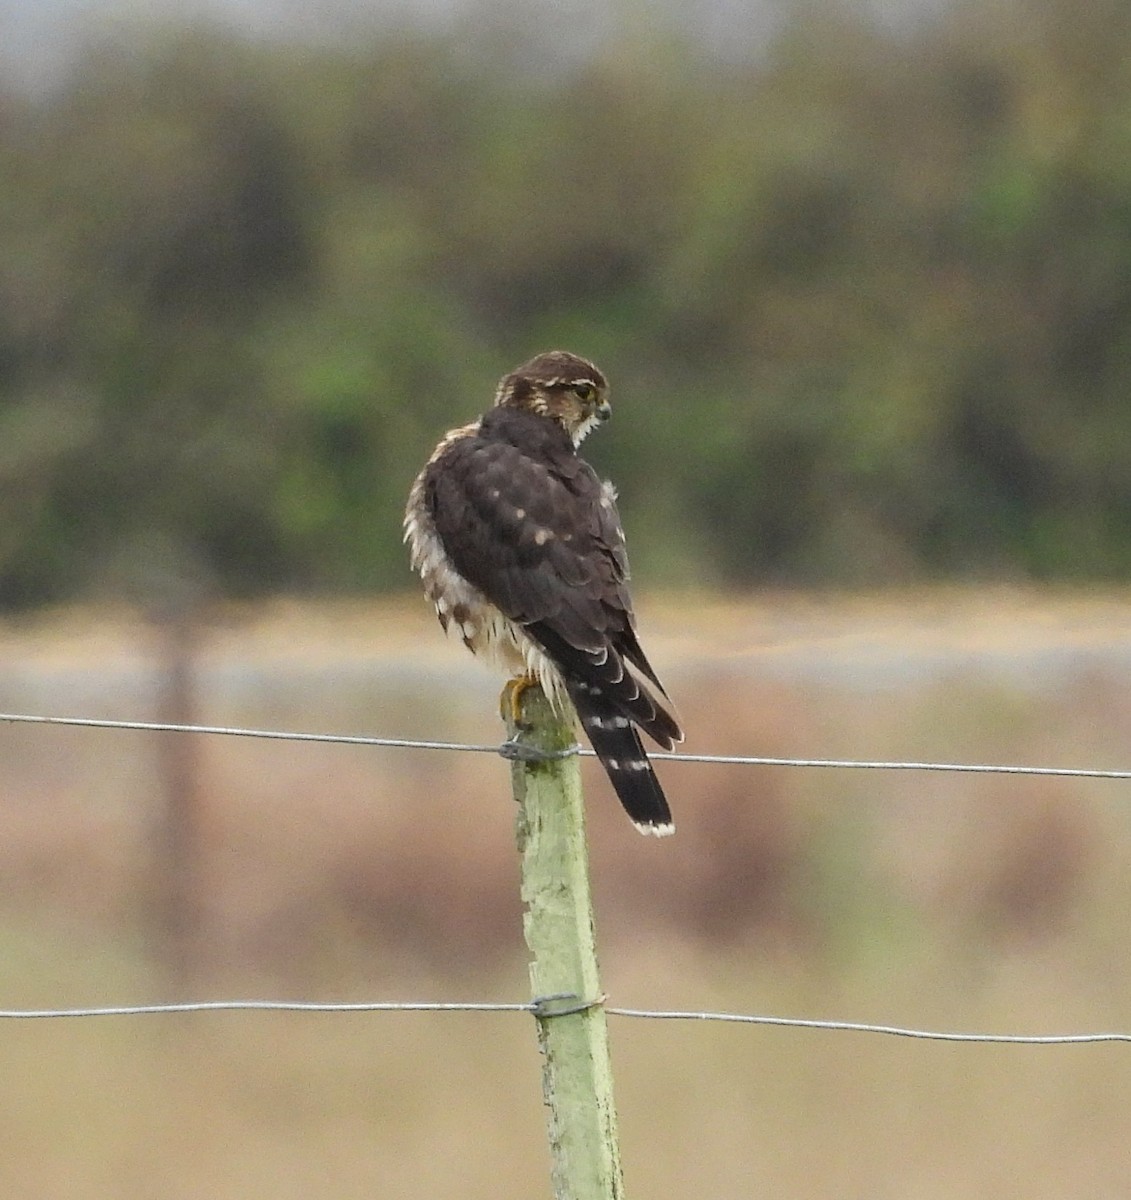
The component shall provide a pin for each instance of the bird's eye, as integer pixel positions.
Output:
(584, 391)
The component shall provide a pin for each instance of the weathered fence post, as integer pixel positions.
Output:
(177, 879)
(577, 1082)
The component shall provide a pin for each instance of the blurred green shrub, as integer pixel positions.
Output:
(865, 298)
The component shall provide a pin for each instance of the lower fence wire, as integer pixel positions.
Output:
(537, 1007)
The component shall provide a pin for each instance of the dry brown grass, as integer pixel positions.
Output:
(932, 900)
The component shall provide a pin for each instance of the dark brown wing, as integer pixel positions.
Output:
(531, 526)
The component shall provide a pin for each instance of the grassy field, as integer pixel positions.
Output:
(996, 903)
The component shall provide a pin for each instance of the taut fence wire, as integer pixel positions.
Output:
(539, 1007)
(741, 760)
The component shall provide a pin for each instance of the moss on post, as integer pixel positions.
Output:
(577, 1079)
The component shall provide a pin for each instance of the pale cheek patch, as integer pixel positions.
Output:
(584, 428)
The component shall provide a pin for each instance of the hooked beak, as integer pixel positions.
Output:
(603, 411)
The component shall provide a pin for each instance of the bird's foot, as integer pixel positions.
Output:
(510, 699)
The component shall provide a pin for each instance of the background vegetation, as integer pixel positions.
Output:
(864, 293)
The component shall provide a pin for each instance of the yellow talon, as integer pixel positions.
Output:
(510, 699)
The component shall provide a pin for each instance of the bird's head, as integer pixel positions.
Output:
(562, 386)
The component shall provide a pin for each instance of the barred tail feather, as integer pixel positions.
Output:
(617, 744)
(637, 696)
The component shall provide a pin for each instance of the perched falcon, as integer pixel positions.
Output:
(521, 550)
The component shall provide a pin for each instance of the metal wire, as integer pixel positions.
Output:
(539, 1008)
(934, 1035)
(743, 760)
(306, 1006)
(280, 735)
